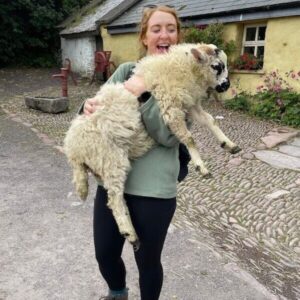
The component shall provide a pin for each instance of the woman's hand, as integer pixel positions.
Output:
(135, 85)
(90, 106)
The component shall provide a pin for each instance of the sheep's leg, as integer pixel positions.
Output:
(206, 119)
(177, 124)
(114, 182)
(80, 179)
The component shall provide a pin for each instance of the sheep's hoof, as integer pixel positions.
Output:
(223, 145)
(205, 173)
(134, 241)
(136, 245)
(235, 150)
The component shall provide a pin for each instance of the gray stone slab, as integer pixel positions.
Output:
(290, 150)
(48, 104)
(296, 142)
(278, 160)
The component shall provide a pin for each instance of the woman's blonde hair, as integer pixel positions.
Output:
(148, 12)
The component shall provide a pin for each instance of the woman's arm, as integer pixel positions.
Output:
(120, 75)
(155, 124)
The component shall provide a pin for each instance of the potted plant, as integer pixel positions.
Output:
(247, 61)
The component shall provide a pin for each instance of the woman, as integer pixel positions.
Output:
(150, 190)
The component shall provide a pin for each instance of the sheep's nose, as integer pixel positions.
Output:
(224, 86)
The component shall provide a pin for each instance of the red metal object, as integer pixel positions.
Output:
(103, 64)
(64, 77)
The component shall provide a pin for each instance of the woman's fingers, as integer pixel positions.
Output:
(135, 84)
(90, 106)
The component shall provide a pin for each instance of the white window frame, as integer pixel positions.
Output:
(254, 43)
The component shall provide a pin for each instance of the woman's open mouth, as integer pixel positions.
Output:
(163, 48)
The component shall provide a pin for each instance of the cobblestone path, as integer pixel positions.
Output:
(237, 210)
(249, 210)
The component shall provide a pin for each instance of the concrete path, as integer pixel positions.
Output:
(46, 250)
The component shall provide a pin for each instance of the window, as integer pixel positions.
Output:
(254, 42)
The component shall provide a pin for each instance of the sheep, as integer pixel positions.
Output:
(105, 142)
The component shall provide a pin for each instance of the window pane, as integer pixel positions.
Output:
(250, 34)
(260, 52)
(249, 50)
(261, 33)
(260, 56)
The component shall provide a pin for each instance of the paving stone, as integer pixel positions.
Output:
(273, 140)
(290, 150)
(296, 142)
(236, 161)
(278, 160)
(248, 156)
(276, 195)
(261, 146)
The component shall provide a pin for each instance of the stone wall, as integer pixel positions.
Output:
(81, 53)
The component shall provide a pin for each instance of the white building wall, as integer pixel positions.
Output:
(81, 53)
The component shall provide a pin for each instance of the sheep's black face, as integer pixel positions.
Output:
(220, 71)
(214, 61)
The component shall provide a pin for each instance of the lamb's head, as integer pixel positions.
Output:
(213, 62)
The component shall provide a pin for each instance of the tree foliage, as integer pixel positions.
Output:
(211, 34)
(28, 30)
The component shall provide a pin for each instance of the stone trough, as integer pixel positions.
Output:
(51, 105)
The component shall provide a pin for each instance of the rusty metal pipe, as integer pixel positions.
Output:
(64, 80)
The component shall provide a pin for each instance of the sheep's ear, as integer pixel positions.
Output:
(199, 56)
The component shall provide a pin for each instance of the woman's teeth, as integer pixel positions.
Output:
(163, 48)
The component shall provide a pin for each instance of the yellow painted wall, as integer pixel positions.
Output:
(124, 47)
(282, 52)
(283, 44)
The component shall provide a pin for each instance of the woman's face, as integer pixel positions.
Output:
(161, 33)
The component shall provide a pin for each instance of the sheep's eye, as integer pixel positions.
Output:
(219, 68)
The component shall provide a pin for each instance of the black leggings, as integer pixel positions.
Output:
(151, 218)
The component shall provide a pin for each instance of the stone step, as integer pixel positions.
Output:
(278, 160)
(296, 142)
(290, 150)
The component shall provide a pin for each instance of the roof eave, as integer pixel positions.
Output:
(283, 10)
(79, 34)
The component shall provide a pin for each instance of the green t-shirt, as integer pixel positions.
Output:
(155, 173)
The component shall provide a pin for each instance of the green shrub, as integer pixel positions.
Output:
(239, 102)
(211, 34)
(283, 107)
(275, 99)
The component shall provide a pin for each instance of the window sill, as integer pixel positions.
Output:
(258, 72)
